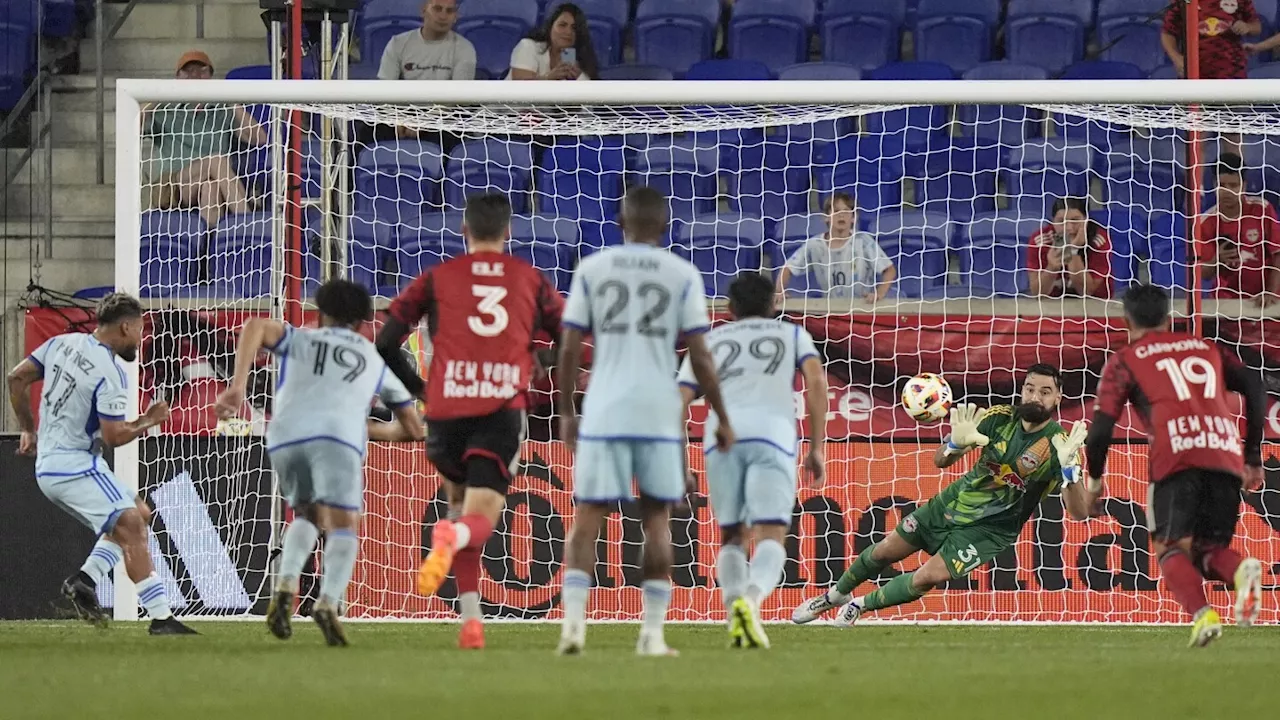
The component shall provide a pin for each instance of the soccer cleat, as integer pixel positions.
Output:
(169, 626)
(471, 636)
(747, 614)
(1206, 628)
(813, 608)
(737, 636)
(848, 614)
(573, 637)
(653, 645)
(326, 617)
(436, 567)
(280, 614)
(84, 598)
(1248, 584)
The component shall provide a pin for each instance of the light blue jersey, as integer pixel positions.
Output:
(84, 384)
(328, 379)
(636, 301)
(756, 361)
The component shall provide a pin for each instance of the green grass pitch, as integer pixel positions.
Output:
(235, 670)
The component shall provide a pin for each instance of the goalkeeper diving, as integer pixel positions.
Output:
(1025, 456)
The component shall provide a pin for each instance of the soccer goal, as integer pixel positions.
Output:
(955, 183)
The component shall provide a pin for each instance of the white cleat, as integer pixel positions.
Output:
(1248, 582)
(848, 614)
(814, 608)
(573, 638)
(653, 645)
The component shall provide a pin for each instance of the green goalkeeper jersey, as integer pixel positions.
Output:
(1015, 471)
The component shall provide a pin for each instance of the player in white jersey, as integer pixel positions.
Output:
(637, 301)
(82, 409)
(328, 377)
(753, 483)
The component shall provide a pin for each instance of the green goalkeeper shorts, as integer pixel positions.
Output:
(964, 548)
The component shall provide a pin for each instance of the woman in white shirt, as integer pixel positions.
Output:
(558, 50)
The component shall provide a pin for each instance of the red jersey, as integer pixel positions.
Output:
(483, 312)
(1221, 54)
(1178, 384)
(1097, 259)
(1256, 234)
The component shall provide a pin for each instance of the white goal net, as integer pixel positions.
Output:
(970, 229)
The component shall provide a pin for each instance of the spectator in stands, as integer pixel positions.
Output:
(1241, 237)
(191, 164)
(846, 263)
(1223, 23)
(1071, 256)
(433, 52)
(560, 49)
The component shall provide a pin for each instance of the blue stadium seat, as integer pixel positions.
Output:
(494, 27)
(1098, 133)
(721, 245)
(820, 71)
(1038, 173)
(1266, 10)
(582, 182)
(869, 168)
(893, 11)
(992, 252)
(790, 233)
(1270, 70)
(1164, 72)
(16, 62)
(675, 33)
(250, 72)
(917, 243)
(1002, 124)
(1133, 40)
(919, 127)
(1081, 11)
(1144, 173)
(549, 244)
(606, 20)
(684, 171)
(863, 33)
(774, 32)
(988, 11)
(381, 20)
(398, 179)
(636, 72)
(490, 165)
(1127, 229)
(1051, 42)
(1130, 9)
(427, 241)
(240, 254)
(1103, 70)
(729, 70)
(958, 42)
(1167, 235)
(59, 18)
(169, 243)
(370, 251)
(958, 180)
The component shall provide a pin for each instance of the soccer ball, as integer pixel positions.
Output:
(927, 397)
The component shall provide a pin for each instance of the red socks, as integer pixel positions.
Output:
(480, 531)
(1220, 563)
(1183, 580)
(466, 570)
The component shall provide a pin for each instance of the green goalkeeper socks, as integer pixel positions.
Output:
(863, 569)
(897, 591)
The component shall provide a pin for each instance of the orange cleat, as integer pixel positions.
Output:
(472, 635)
(436, 567)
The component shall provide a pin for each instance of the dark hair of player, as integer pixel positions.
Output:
(582, 45)
(751, 295)
(644, 215)
(1071, 203)
(118, 306)
(1147, 306)
(838, 197)
(1230, 164)
(487, 217)
(1047, 370)
(345, 302)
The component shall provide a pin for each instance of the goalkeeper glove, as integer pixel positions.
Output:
(964, 429)
(1068, 447)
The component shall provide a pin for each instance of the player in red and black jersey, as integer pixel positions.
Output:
(483, 311)
(1179, 384)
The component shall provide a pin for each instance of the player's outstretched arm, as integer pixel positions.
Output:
(567, 367)
(704, 371)
(20, 379)
(122, 432)
(257, 333)
(406, 426)
(815, 400)
(964, 435)
(1243, 380)
(1079, 493)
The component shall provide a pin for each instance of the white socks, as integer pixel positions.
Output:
(731, 573)
(104, 556)
(299, 540)
(151, 595)
(766, 569)
(340, 548)
(575, 591)
(469, 606)
(657, 596)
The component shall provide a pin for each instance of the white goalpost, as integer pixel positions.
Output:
(954, 180)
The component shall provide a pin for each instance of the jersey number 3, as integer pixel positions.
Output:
(493, 317)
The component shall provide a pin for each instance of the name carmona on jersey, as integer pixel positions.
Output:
(470, 379)
(1157, 348)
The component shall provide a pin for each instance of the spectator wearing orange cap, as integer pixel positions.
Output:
(190, 165)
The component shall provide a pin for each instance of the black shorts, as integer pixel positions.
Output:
(450, 443)
(1200, 504)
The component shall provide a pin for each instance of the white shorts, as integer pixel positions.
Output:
(753, 483)
(603, 470)
(94, 497)
(319, 472)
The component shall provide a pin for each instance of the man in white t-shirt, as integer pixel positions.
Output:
(433, 52)
(847, 264)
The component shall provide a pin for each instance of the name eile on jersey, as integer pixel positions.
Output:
(1214, 432)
